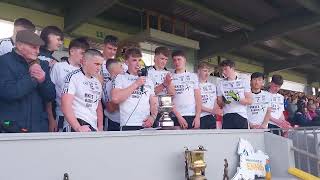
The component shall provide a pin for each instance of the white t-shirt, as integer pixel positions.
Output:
(208, 96)
(6, 45)
(105, 73)
(258, 109)
(184, 100)
(87, 95)
(239, 86)
(277, 106)
(58, 74)
(106, 97)
(157, 77)
(136, 108)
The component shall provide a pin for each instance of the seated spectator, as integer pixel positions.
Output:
(312, 110)
(302, 117)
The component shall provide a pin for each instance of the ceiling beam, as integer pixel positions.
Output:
(265, 32)
(296, 45)
(290, 63)
(217, 14)
(83, 11)
(270, 51)
(312, 5)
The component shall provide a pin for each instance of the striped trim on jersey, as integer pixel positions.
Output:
(6, 39)
(67, 80)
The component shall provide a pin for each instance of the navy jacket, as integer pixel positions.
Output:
(22, 98)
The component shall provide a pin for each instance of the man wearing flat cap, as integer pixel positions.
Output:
(25, 85)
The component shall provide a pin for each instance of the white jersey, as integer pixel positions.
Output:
(238, 87)
(208, 96)
(277, 106)
(6, 45)
(184, 99)
(136, 108)
(58, 74)
(87, 95)
(258, 109)
(106, 97)
(157, 77)
(105, 73)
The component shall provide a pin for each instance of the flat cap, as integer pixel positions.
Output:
(29, 37)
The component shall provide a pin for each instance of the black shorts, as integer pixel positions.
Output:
(82, 123)
(208, 122)
(189, 120)
(113, 126)
(234, 121)
(131, 128)
(276, 130)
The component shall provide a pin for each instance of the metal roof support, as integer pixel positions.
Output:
(267, 31)
(215, 13)
(297, 45)
(291, 63)
(312, 5)
(83, 11)
(270, 51)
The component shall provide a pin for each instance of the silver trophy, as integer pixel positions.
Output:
(165, 107)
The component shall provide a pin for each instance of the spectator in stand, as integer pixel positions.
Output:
(302, 117)
(312, 110)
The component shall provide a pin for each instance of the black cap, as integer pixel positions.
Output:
(29, 37)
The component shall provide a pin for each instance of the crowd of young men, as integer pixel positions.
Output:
(91, 91)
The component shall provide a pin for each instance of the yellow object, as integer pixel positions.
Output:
(301, 174)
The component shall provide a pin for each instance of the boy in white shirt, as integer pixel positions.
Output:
(259, 111)
(234, 94)
(111, 110)
(187, 100)
(209, 97)
(135, 95)
(58, 74)
(277, 119)
(81, 98)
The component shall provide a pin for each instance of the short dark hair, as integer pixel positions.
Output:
(113, 40)
(227, 62)
(277, 79)
(50, 30)
(179, 53)
(134, 52)
(80, 43)
(162, 50)
(25, 23)
(111, 62)
(257, 75)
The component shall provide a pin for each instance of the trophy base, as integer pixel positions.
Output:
(198, 178)
(166, 124)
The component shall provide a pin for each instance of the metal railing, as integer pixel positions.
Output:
(306, 147)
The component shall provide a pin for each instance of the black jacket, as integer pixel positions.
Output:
(22, 99)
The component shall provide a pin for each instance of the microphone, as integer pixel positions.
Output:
(142, 72)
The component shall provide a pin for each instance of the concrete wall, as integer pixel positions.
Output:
(282, 157)
(145, 155)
